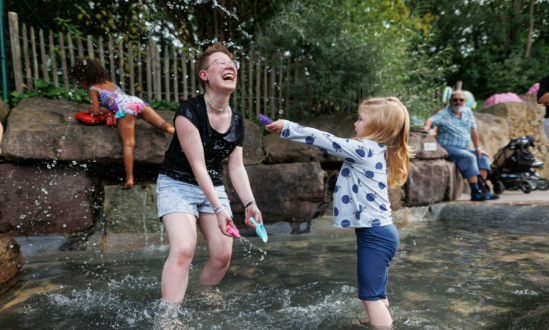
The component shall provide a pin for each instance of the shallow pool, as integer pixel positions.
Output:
(446, 275)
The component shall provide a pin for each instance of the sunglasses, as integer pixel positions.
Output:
(224, 63)
(458, 100)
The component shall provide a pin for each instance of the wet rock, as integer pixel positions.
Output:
(493, 132)
(430, 182)
(36, 200)
(11, 262)
(395, 197)
(280, 151)
(3, 113)
(132, 210)
(45, 129)
(286, 192)
(418, 141)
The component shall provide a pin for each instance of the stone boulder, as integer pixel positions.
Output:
(37, 200)
(285, 192)
(493, 133)
(45, 129)
(280, 151)
(432, 181)
(130, 211)
(532, 98)
(418, 141)
(3, 113)
(11, 262)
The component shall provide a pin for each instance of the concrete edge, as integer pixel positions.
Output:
(491, 213)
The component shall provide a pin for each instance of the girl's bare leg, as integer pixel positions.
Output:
(220, 248)
(150, 116)
(126, 128)
(181, 230)
(378, 314)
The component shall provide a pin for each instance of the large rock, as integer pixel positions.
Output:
(418, 141)
(130, 211)
(286, 192)
(493, 132)
(431, 182)
(280, 151)
(523, 118)
(532, 98)
(3, 113)
(35, 200)
(46, 129)
(11, 262)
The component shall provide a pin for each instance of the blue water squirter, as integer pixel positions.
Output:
(259, 229)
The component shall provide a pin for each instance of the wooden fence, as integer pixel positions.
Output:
(140, 70)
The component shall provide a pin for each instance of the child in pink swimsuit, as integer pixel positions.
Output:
(93, 77)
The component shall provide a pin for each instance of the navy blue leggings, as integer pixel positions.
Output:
(376, 246)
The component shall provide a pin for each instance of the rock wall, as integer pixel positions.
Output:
(11, 262)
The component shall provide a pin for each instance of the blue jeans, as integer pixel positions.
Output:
(467, 161)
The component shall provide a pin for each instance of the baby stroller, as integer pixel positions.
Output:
(511, 165)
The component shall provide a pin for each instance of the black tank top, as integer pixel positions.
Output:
(217, 146)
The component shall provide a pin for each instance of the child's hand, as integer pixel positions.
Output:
(253, 211)
(275, 127)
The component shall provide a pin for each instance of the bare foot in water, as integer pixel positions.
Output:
(128, 184)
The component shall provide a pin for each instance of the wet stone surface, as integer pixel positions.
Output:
(454, 275)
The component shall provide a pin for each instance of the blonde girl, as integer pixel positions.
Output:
(377, 158)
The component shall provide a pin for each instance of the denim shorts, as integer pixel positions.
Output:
(173, 196)
(376, 247)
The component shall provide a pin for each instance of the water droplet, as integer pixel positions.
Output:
(280, 111)
(64, 226)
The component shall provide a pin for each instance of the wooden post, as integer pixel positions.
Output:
(199, 84)
(250, 88)
(265, 95)
(272, 86)
(139, 70)
(158, 72)
(111, 61)
(242, 86)
(53, 62)
(130, 69)
(28, 72)
(35, 55)
(258, 88)
(175, 76)
(459, 84)
(91, 54)
(287, 87)
(71, 49)
(121, 65)
(184, 74)
(167, 73)
(149, 81)
(80, 48)
(16, 52)
(193, 74)
(296, 78)
(101, 52)
(43, 56)
(64, 61)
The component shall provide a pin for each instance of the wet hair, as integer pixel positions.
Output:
(203, 59)
(89, 71)
(389, 124)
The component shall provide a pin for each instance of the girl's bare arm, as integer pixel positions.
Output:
(94, 108)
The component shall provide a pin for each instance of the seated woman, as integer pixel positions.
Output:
(93, 77)
(190, 186)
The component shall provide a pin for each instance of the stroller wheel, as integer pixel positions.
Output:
(533, 183)
(526, 187)
(543, 184)
(499, 187)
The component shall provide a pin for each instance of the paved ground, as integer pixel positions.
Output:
(535, 198)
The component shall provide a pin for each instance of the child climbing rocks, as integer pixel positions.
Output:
(378, 157)
(93, 77)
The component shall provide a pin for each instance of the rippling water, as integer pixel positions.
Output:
(446, 275)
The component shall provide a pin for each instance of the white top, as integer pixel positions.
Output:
(361, 197)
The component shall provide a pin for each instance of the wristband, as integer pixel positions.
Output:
(477, 149)
(218, 209)
(249, 203)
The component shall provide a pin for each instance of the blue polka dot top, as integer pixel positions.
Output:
(361, 197)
